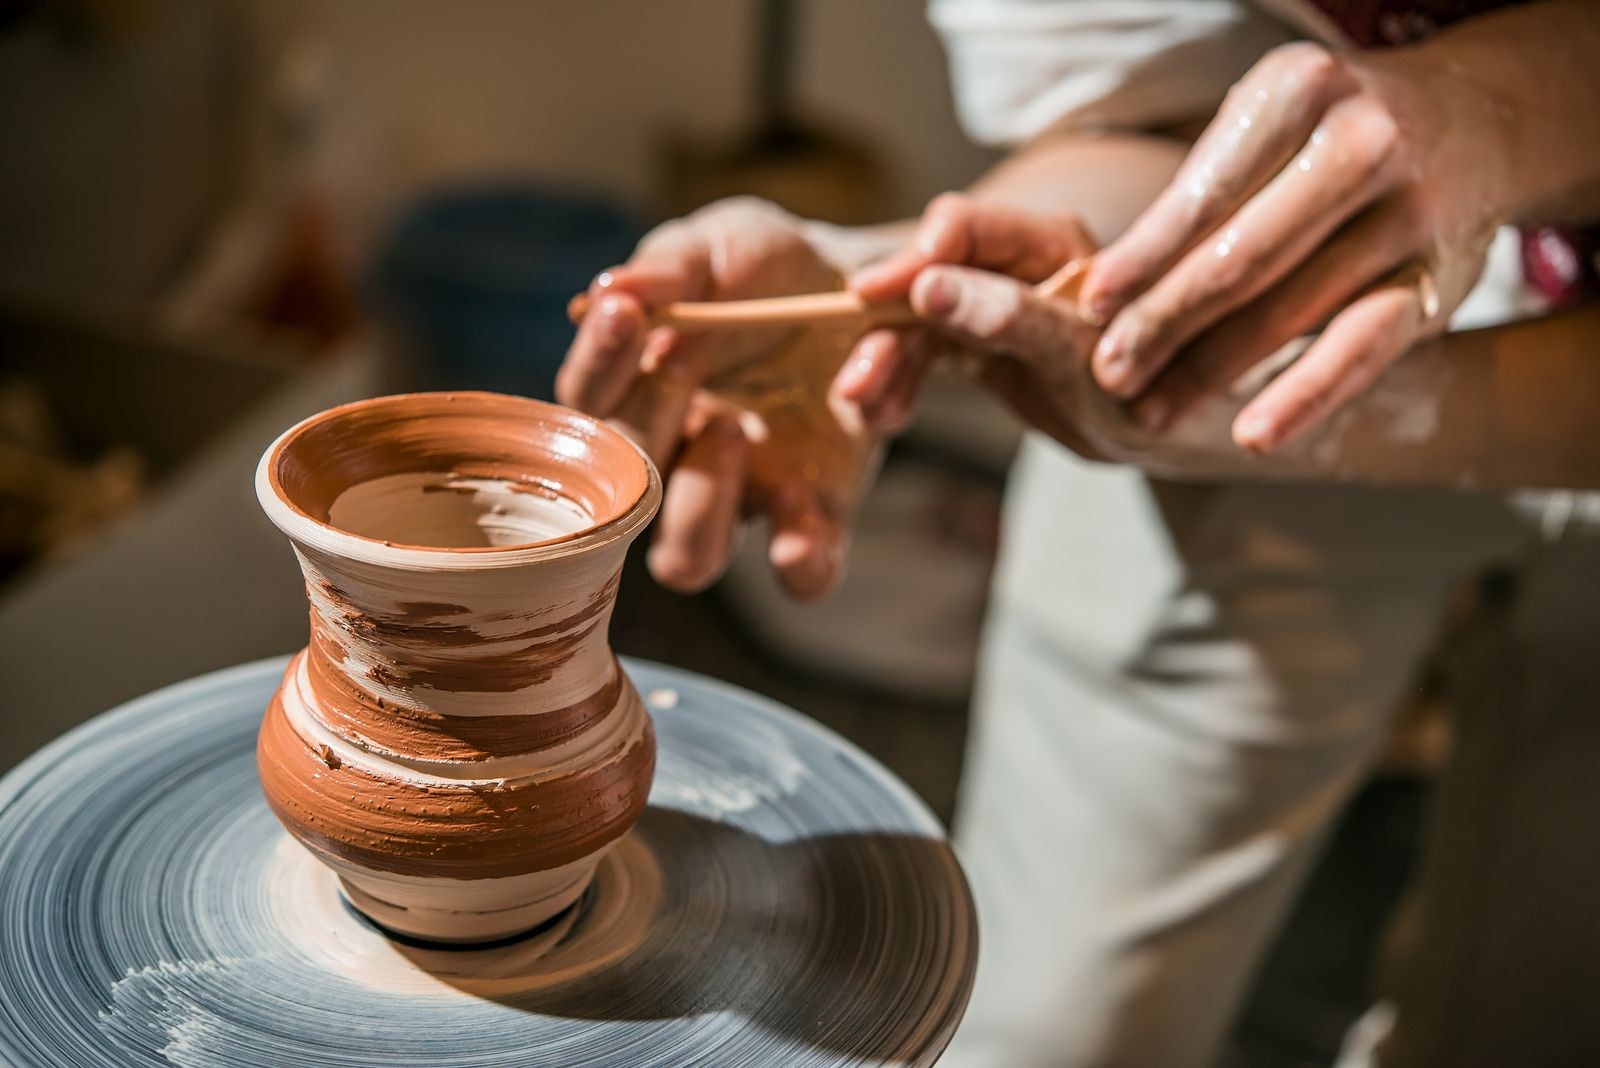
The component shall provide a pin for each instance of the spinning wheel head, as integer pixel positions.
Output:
(783, 900)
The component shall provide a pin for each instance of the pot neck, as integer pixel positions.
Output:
(511, 641)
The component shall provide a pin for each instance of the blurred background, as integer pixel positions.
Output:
(218, 216)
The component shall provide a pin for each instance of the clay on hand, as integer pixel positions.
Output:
(742, 423)
(1356, 191)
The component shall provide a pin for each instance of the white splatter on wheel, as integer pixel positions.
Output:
(784, 901)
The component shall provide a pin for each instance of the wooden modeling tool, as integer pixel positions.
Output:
(812, 309)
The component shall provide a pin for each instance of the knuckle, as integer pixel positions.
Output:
(1204, 203)
(945, 229)
(1304, 65)
(1245, 87)
(1367, 362)
(949, 204)
(1366, 133)
(1234, 263)
(1376, 127)
(742, 205)
(665, 235)
(743, 228)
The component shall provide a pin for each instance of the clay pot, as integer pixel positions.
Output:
(458, 741)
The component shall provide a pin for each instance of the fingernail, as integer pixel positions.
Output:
(939, 296)
(861, 370)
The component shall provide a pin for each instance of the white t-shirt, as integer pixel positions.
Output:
(1020, 67)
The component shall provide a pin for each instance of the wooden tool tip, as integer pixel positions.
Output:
(577, 308)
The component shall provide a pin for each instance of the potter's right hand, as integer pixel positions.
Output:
(740, 422)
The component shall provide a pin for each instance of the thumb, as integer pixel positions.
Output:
(958, 229)
(1000, 315)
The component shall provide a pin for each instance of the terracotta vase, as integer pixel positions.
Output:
(458, 741)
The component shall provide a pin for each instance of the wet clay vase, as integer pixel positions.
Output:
(458, 741)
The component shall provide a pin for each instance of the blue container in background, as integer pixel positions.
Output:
(477, 280)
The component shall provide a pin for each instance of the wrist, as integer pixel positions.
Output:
(1467, 129)
(1522, 83)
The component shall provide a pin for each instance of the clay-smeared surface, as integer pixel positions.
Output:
(433, 829)
(456, 650)
(355, 713)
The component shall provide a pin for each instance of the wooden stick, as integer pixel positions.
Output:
(810, 309)
(1065, 283)
(805, 309)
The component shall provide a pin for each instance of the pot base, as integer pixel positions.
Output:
(410, 906)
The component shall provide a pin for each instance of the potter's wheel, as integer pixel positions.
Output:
(784, 901)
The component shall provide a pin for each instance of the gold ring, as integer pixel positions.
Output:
(1418, 275)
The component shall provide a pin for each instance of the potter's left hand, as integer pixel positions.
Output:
(740, 423)
(1354, 190)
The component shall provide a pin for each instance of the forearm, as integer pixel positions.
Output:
(1508, 406)
(1104, 180)
(1533, 72)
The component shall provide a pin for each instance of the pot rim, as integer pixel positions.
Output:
(305, 530)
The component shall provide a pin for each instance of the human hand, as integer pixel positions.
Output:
(741, 423)
(968, 275)
(1353, 190)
